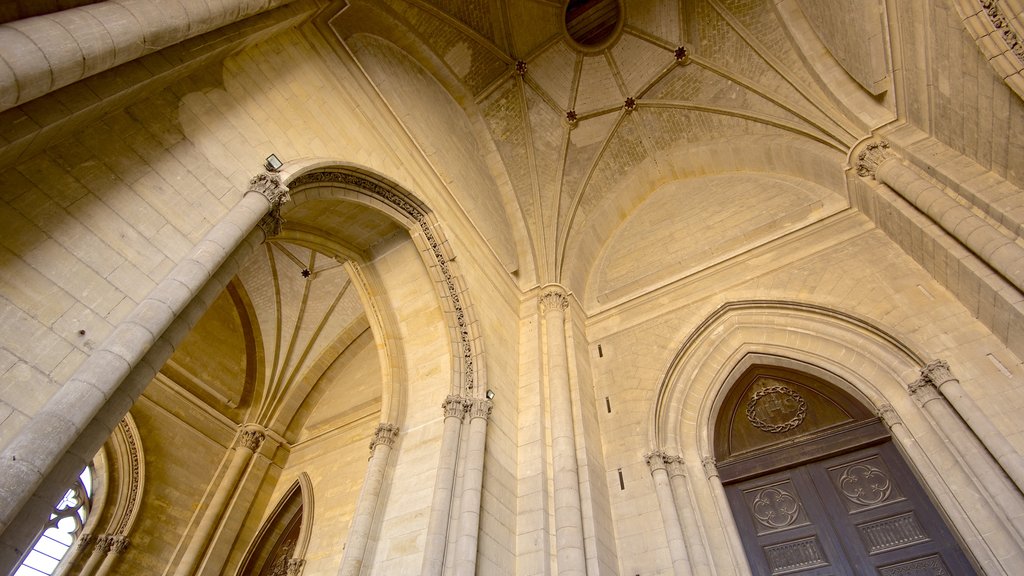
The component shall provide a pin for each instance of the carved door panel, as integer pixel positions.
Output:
(883, 517)
(860, 513)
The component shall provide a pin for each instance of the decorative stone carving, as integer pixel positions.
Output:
(923, 391)
(480, 408)
(553, 298)
(776, 408)
(871, 157)
(1002, 25)
(682, 55)
(384, 434)
(521, 68)
(103, 544)
(118, 544)
(272, 222)
(656, 460)
(630, 104)
(937, 372)
(269, 185)
(85, 539)
(572, 119)
(403, 205)
(710, 466)
(676, 465)
(294, 566)
(135, 475)
(454, 406)
(251, 439)
(888, 415)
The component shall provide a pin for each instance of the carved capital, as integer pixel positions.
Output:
(871, 157)
(553, 298)
(272, 222)
(937, 372)
(480, 408)
(294, 566)
(710, 466)
(118, 544)
(270, 187)
(923, 391)
(102, 543)
(384, 434)
(888, 415)
(454, 406)
(676, 465)
(85, 539)
(251, 439)
(655, 460)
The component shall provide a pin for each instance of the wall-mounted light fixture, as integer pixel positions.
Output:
(273, 163)
(490, 394)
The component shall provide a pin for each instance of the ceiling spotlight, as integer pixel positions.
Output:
(490, 394)
(273, 163)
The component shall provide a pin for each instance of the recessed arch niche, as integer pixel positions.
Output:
(284, 536)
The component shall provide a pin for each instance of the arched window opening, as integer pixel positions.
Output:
(61, 530)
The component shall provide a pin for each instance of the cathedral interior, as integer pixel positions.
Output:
(532, 287)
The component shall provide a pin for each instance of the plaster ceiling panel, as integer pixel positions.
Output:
(687, 225)
(585, 143)
(598, 87)
(639, 61)
(659, 18)
(476, 64)
(503, 113)
(354, 225)
(351, 387)
(211, 361)
(553, 70)
(547, 142)
(671, 128)
(620, 159)
(533, 24)
(469, 12)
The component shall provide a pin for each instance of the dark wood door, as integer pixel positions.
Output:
(857, 514)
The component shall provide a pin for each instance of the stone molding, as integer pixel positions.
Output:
(888, 415)
(937, 372)
(480, 408)
(454, 406)
(710, 466)
(117, 544)
(251, 439)
(999, 21)
(871, 157)
(923, 390)
(554, 298)
(384, 434)
(463, 329)
(656, 460)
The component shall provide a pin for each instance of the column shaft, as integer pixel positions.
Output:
(688, 519)
(366, 507)
(669, 515)
(99, 550)
(81, 415)
(444, 486)
(117, 546)
(977, 459)
(249, 441)
(568, 510)
(732, 534)
(472, 487)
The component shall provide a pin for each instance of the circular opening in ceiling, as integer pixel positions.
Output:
(592, 23)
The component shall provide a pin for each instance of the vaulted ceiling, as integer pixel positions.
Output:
(578, 137)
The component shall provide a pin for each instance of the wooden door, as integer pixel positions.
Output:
(859, 513)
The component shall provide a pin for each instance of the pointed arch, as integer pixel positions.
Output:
(285, 533)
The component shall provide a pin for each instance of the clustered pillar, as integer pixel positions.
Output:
(366, 507)
(568, 509)
(106, 549)
(249, 440)
(657, 462)
(472, 488)
(444, 486)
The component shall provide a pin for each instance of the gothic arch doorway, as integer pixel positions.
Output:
(817, 486)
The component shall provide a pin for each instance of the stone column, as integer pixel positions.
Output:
(571, 555)
(1001, 253)
(982, 514)
(100, 546)
(53, 447)
(939, 374)
(733, 542)
(116, 545)
(990, 476)
(366, 507)
(669, 515)
(472, 487)
(684, 508)
(249, 440)
(444, 486)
